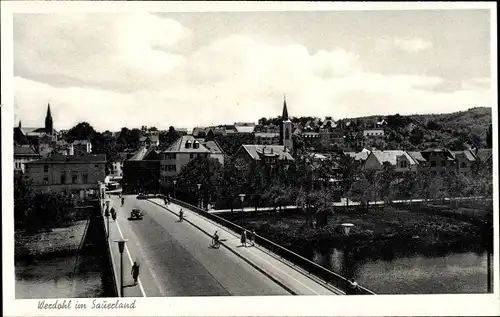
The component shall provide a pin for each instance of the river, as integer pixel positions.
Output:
(54, 278)
(453, 273)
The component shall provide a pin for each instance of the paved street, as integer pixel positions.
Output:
(176, 260)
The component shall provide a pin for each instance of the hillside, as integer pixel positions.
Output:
(455, 130)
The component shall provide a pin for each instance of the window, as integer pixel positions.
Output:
(433, 164)
(404, 164)
(96, 166)
(191, 155)
(463, 165)
(63, 178)
(443, 163)
(45, 180)
(85, 178)
(74, 178)
(45, 168)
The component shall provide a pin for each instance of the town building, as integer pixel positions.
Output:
(117, 168)
(150, 139)
(180, 153)
(399, 160)
(23, 155)
(267, 138)
(436, 161)
(244, 127)
(81, 147)
(71, 174)
(266, 155)
(464, 161)
(360, 156)
(373, 133)
(141, 172)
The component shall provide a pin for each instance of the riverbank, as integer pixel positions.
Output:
(47, 242)
(378, 232)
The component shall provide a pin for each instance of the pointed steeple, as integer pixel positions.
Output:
(285, 110)
(49, 128)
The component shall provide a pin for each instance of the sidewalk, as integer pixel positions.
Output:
(129, 290)
(293, 279)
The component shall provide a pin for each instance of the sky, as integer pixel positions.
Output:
(196, 69)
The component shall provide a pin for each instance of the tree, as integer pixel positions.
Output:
(129, 139)
(82, 131)
(201, 170)
(360, 190)
(349, 170)
(387, 180)
(24, 199)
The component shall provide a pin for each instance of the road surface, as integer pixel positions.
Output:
(175, 258)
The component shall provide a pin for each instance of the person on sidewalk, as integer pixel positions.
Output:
(244, 238)
(215, 240)
(123, 200)
(113, 213)
(181, 215)
(135, 272)
(252, 237)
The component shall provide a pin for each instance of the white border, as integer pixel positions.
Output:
(381, 305)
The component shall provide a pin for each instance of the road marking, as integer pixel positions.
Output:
(131, 262)
(223, 229)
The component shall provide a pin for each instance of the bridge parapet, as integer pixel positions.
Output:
(329, 277)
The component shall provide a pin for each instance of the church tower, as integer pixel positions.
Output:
(49, 128)
(286, 130)
(284, 117)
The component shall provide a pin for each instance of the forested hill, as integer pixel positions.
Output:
(453, 130)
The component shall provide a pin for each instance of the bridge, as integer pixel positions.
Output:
(176, 258)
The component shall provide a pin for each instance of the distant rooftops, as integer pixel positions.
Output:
(61, 159)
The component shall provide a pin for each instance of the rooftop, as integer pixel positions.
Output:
(75, 159)
(391, 156)
(256, 151)
(25, 151)
(179, 146)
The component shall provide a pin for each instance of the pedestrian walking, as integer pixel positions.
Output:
(252, 237)
(135, 272)
(113, 213)
(244, 238)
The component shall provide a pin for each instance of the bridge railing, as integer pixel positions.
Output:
(311, 267)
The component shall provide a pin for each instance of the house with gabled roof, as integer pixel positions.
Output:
(182, 151)
(23, 155)
(399, 160)
(266, 155)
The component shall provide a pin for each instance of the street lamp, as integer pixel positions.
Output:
(175, 188)
(199, 200)
(242, 197)
(347, 228)
(106, 214)
(121, 247)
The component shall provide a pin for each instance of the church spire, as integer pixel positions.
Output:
(285, 110)
(48, 121)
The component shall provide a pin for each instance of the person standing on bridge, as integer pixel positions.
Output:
(252, 237)
(244, 238)
(135, 272)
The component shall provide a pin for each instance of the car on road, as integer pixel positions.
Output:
(136, 214)
(141, 196)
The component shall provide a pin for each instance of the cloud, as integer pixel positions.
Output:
(134, 70)
(99, 50)
(412, 45)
